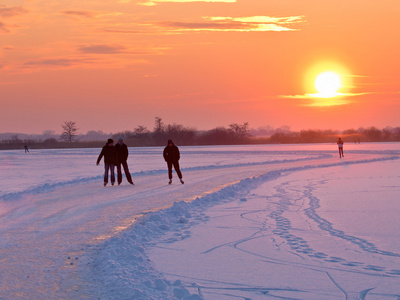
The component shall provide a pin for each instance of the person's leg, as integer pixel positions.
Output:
(112, 168)
(169, 164)
(177, 169)
(106, 167)
(119, 173)
(127, 173)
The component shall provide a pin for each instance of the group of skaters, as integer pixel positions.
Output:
(118, 156)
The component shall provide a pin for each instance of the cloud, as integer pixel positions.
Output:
(9, 48)
(155, 2)
(124, 31)
(3, 27)
(255, 23)
(78, 13)
(102, 49)
(323, 96)
(57, 62)
(6, 11)
(321, 100)
(116, 49)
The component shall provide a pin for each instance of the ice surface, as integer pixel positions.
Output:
(251, 222)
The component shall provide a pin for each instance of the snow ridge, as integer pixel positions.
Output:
(128, 271)
(48, 187)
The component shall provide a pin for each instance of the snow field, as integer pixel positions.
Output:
(252, 222)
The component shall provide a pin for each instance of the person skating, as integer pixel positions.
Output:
(340, 146)
(110, 160)
(122, 151)
(171, 156)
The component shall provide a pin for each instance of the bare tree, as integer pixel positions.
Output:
(69, 131)
(158, 125)
(141, 130)
(240, 131)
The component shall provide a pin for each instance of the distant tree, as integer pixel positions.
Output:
(180, 134)
(141, 130)
(372, 134)
(158, 125)
(69, 131)
(15, 139)
(48, 132)
(240, 131)
(159, 132)
(50, 142)
(125, 134)
(216, 136)
(95, 132)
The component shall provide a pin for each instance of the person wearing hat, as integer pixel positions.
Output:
(171, 156)
(110, 160)
(122, 151)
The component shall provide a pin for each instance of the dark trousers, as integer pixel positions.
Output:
(109, 167)
(176, 167)
(126, 170)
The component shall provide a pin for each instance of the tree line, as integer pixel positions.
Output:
(233, 134)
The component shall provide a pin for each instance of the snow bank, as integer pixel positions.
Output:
(121, 266)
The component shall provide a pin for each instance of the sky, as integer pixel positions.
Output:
(114, 65)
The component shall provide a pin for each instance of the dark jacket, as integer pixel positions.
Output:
(171, 154)
(122, 151)
(110, 155)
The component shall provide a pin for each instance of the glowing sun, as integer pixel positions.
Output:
(327, 84)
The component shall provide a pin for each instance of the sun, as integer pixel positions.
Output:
(327, 84)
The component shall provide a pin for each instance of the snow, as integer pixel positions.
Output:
(250, 222)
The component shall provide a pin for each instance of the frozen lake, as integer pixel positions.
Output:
(250, 222)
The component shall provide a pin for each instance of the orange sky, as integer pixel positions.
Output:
(113, 65)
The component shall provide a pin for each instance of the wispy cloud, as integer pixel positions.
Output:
(8, 48)
(118, 49)
(78, 13)
(102, 49)
(57, 62)
(125, 31)
(155, 2)
(255, 23)
(3, 27)
(322, 100)
(6, 11)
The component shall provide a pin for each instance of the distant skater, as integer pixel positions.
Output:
(26, 149)
(171, 156)
(340, 145)
(122, 151)
(110, 160)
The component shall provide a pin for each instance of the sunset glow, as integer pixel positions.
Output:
(115, 65)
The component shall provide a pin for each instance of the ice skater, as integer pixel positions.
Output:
(340, 145)
(110, 160)
(171, 156)
(122, 151)
(26, 149)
